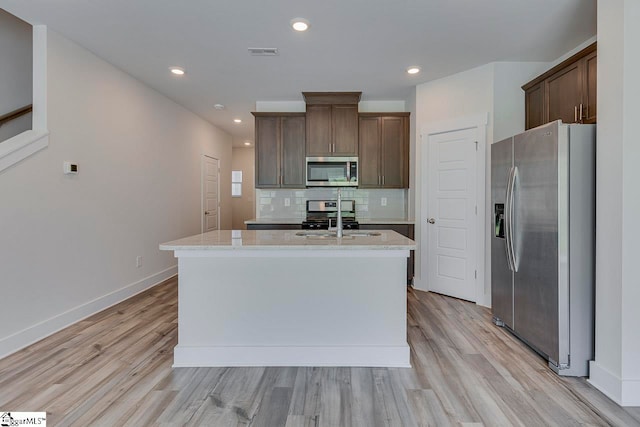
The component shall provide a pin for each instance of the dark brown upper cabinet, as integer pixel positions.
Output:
(566, 92)
(332, 123)
(534, 106)
(280, 150)
(383, 150)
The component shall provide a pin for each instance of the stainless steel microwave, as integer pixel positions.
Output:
(332, 171)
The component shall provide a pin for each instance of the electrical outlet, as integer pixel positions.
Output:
(383, 201)
(138, 261)
(287, 201)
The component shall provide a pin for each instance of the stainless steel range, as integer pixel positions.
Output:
(320, 212)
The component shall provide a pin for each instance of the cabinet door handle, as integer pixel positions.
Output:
(575, 114)
(382, 179)
(580, 112)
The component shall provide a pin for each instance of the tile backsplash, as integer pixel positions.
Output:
(291, 204)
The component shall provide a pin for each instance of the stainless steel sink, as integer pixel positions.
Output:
(315, 234)
(357, 233)
(329, 234)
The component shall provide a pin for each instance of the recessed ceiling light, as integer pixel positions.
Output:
(300, 24)
(178, 71)
(247, 143)
(219, 107)
(237, 120)
(413, 70)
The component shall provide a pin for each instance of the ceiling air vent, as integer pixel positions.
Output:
(263, 51)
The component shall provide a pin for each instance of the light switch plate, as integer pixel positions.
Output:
(383, 201)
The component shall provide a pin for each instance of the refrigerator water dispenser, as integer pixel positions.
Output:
(498, 217)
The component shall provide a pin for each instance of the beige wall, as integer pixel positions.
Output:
(493, 89)
(243, 208)
(70, 242)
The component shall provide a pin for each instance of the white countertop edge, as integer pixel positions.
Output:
(297, 252)
(287, 240)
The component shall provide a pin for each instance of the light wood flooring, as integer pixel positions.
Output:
(114, 369)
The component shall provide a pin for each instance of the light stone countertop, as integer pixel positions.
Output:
(288, 240)
(360, 220)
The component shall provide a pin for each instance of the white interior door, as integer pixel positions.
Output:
(210, 193)
(450, 220)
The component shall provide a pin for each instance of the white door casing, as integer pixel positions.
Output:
(452, 196)
(210, 189)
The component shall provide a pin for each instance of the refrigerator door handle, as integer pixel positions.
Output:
(510, 215)
(507, 221)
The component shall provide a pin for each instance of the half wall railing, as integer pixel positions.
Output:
(15, 114)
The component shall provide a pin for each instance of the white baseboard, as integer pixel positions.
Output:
(623, 392)
(419, 285)
(34, 333)
(631, 392)
(364, 356)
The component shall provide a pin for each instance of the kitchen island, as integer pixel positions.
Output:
(278, 298)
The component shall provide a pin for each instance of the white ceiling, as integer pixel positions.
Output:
(352, 45)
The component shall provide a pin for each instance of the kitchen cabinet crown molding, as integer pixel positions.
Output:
(346, 98)
(277, 114)
(542, 77)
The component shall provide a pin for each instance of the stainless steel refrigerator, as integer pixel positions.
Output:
(542, 245)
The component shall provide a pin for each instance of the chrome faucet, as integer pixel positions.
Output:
(338, 227)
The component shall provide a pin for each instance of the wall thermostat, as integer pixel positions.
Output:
(70, 168)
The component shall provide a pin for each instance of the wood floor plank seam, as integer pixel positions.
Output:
(114, 368)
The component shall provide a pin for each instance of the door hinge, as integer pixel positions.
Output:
(476, 209)
(475, 274)
(476, 145)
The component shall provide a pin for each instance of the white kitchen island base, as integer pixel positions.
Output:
(292, 307)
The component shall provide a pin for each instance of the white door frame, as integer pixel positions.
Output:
(478, 121)
(202, 191)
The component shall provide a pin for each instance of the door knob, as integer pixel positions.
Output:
(431, 221)
(207, 213)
